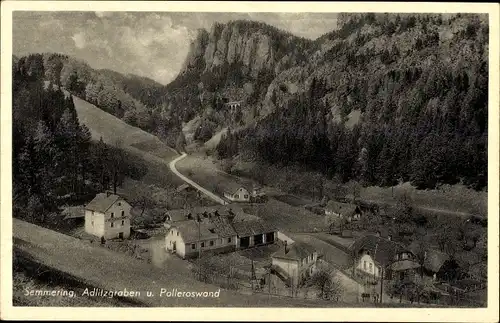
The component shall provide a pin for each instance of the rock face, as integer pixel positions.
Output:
(237, 43)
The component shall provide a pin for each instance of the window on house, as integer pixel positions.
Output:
(92, 223)
(112, 215)
(123, 222)
(364, 265)
(123, 213)
(211, 243)
(119, 204)
(228, 240)
(177, 233)
(245, 196)
(112, 224)
(203, 244)
(193, 246)
(371, 267)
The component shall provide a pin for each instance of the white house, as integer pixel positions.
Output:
(108, 216)
(374, 256)
(213, 233)
(295, 263)
(240, 194)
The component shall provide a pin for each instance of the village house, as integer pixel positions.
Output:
(215, 229)
(108, 216)
(374, 256)
(341, 210)
(239, 194)
(294, 263)
(436, 264)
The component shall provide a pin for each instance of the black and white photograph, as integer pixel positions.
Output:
(251, 159)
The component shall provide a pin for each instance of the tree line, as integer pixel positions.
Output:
(55, 161)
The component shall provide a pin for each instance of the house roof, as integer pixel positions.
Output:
(252, 227)
(234, 187)
(102, 202)
(181, 214)
(190, 231)
(381, 250)
(73, 212)
(434, 259)
(341, 208)
(222, 226)
(295, 251)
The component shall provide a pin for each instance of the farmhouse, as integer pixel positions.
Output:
(108, 216)
(348, 211)
(190, 238)
(374, 256)
(295, 262)
(215, 229)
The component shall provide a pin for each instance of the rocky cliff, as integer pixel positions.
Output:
(254, 45)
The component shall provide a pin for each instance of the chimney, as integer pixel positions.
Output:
(286, 245)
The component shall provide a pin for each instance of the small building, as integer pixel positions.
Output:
(294, 263)
(216, 229)
(375, 256)
(173, 216)
(239, 194)
(347, 211)
(436, 263)
(108, 216)
(254, 233)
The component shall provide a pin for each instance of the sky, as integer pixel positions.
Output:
(150, 44)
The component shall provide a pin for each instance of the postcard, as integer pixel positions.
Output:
(250, 161)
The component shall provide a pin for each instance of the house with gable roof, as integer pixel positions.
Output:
(295, 262)
(108, 216)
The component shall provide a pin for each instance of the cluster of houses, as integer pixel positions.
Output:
(227, 228)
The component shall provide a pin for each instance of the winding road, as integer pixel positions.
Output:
(211, 195)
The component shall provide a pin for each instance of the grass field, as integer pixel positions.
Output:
(287, 217)
(113, 130)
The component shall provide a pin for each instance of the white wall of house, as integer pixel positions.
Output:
(174, 238)
(109, 225)
(183, 249)
(241, 195)
(367, 265)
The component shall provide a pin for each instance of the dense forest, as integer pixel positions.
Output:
(423, 109)
(54, 160)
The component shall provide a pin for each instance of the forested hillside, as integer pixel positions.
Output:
(386, 98)
(54, 161)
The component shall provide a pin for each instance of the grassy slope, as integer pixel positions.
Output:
(113, 130)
